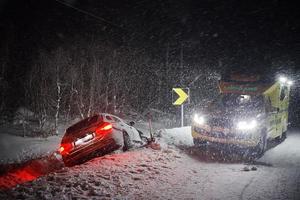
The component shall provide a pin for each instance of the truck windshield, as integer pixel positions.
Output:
(242, 101)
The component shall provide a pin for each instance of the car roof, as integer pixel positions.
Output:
(107, 114)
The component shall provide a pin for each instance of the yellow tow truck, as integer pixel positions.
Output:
(249, 112)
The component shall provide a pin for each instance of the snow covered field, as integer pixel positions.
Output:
(171, 173)
(15, 148)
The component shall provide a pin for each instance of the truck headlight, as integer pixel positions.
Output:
(199, 119)
(247, 125)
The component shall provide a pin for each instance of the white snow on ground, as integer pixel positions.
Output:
(287, 153)
(17, 149)
(177, 136)
(171, 173)
(14, 148)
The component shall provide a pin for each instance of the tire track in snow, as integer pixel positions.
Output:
(245, 187)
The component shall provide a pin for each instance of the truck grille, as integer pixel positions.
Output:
(216, 129)
(220, 122)
(220, 134)
(217, 134)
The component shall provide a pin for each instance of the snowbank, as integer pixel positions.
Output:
(18, 149)
(285, 154)
(177, 136)
(167, 174)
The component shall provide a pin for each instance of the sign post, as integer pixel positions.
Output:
(183, 94)
(182, 115)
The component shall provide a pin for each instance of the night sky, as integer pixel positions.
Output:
(225, 34)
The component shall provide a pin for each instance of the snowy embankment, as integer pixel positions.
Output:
(18, 149)
(170, 174)
(176, 136)
(15, 148)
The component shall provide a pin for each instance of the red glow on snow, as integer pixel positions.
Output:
(28, 171)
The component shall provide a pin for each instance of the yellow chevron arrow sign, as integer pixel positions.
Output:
(183, 96)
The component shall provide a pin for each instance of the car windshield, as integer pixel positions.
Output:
(84, 123)
(241, 101)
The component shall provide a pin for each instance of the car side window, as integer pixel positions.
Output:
(116, 119)
(109, 118)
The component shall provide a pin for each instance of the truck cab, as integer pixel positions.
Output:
(248, 112)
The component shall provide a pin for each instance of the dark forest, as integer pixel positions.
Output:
(75, 58)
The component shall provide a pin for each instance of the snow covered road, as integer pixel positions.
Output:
(172, 173)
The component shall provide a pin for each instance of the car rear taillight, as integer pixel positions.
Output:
(65, 148)
(104, 128)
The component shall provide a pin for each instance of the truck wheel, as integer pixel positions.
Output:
(281, 138)
(283, 135)
(262, 145)
(199, 143)
(196, 142)
(127, 142)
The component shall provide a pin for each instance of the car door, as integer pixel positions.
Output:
(132, 132)
(120, 125)
(125, 127)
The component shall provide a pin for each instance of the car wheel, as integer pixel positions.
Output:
(127, 141)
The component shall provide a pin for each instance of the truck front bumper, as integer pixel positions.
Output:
(241, 142)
